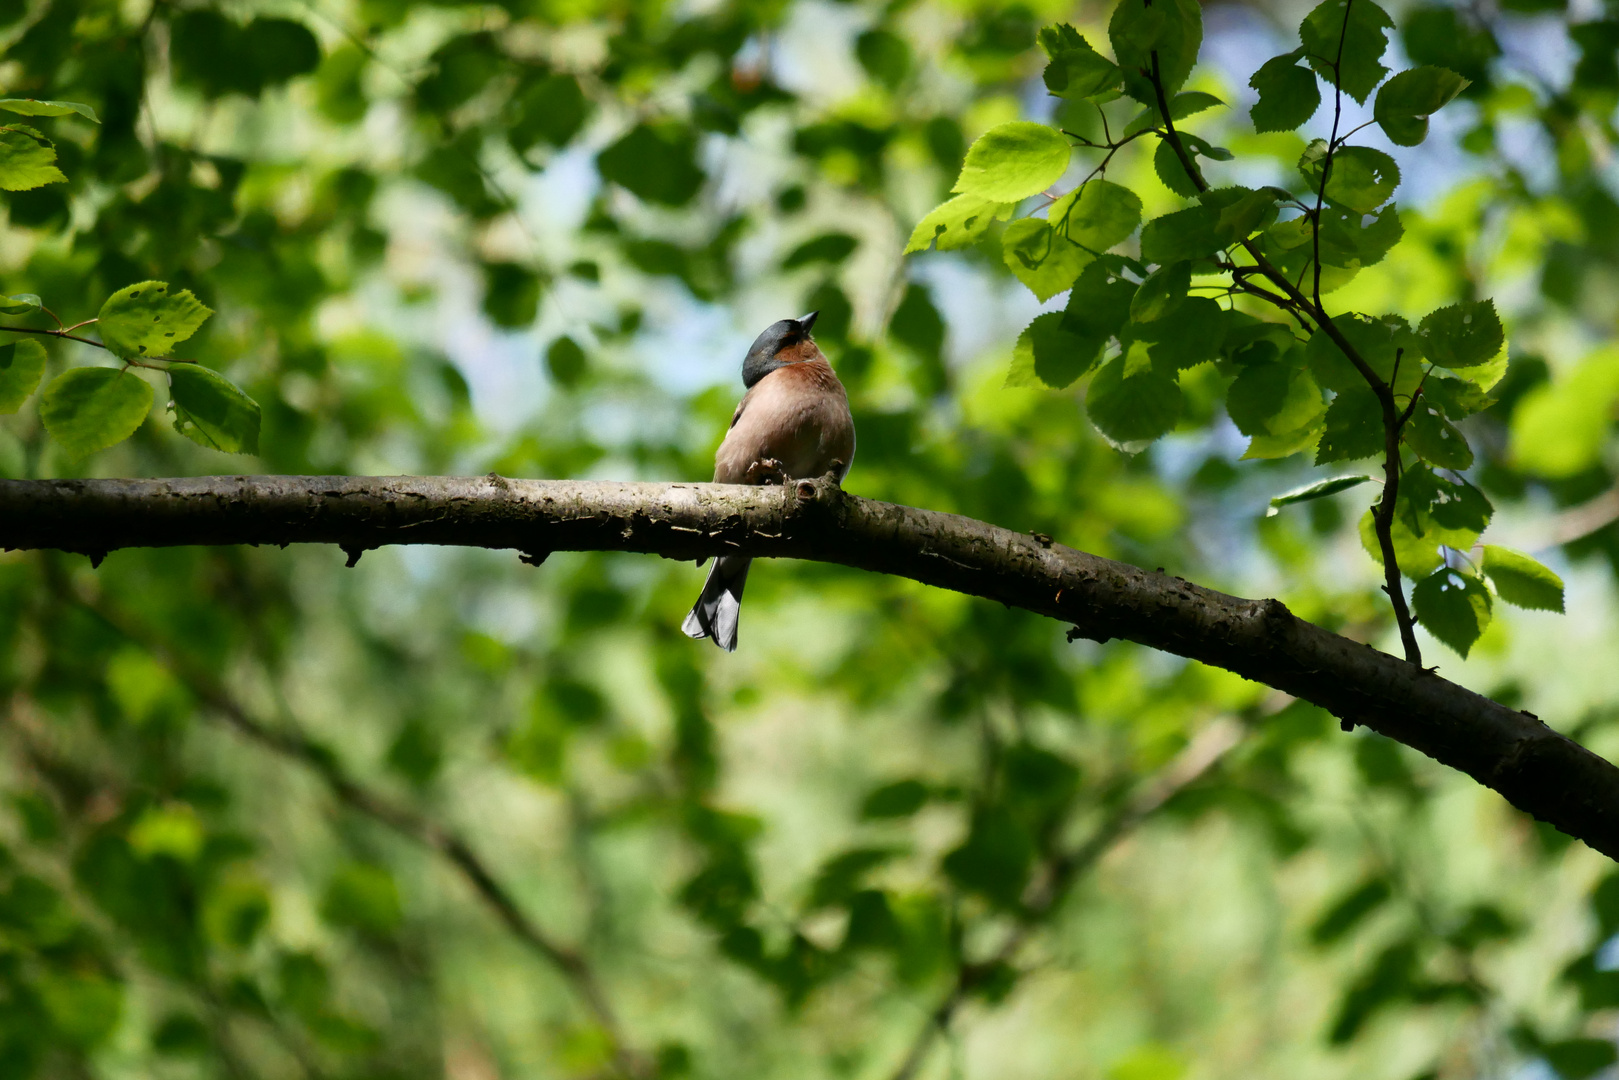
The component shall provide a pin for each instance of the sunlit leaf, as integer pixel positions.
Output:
(1318, 490)
(1344, 41)
(30, 107)
(1521, 581)
(27, 159)
(149, 319)
(1405, 102)
(1012, 161)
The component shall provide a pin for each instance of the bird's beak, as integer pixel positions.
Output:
(806, 321)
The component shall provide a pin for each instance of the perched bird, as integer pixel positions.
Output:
(792, 424)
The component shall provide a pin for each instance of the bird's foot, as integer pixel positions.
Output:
(766, 471)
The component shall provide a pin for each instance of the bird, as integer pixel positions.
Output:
(792, 424)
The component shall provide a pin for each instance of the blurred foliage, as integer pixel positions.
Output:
(448, 814)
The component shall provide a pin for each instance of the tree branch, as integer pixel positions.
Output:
(1539, 770)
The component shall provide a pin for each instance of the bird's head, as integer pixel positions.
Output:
(782, 343)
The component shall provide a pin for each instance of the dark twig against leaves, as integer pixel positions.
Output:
(1538, 770)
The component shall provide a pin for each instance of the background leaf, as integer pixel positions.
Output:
(22, 365)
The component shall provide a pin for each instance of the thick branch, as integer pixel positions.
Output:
(1538, 770)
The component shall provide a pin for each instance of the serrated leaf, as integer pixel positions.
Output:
(1097, 215)
(1288, 94)
(1012, 161)
(1288, 443)
(21, 304)
(1349, 240)
(1048, 354)
(149, 319)
(1184, 104)
(1454, 607)
(1456, 398)
(22, 365)
(1098, 304)
(1521, 580)
(1354, 428)
(31, 107)
(1172, 28)
(1360, 27)
(1379, 342)
(1405, 102)
(1193, 336)
(27, 159)
(1162, 292)
(1318, 490)
(1041, 258)
(1167, 164)
(1247, 214)
(1362, 179)
(1462, 335)
(957, 223)
(212, 411)
(1077, 71)
(1274, 398)
(1192, 233)
(1436, 441)
(1132, 411)
(90, 408)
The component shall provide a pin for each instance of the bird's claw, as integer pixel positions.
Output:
(766, 471)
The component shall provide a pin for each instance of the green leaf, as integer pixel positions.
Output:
(1162, 292)
(1243, 212)
(1041, 258)
(1360, 27)
(902, 798)
(1010, 162)
(212, 411)
(1288, 94)
(958, 223)
(656, 163)
(1047, 353)
(1462, 335)
(147, 319)
(1362, 179)
(1097, 215)
(1077, 71)
(363, 896)
(1453, 606)
(21, 304)
(90, 408)
(1131, 411)
(1193, 336)
(22, 365)
(832, 247)
(1099, 304)
(1436, 441)
(1192, 233)
(1456, 398)
(1521, 581)
(1170, 169)
(1350, 241)
(27, 159)
(1172, 28)
(30, 107)
(1274, 398)
(1406, 101)
(1379, 342)
(1318, 490)
(1184, 104)
(1354, 428)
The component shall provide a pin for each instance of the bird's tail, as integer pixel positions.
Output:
(716, 612)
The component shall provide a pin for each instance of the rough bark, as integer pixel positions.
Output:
(1537, 769)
